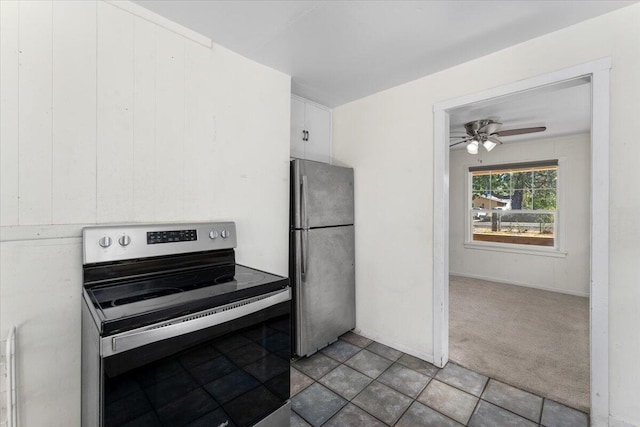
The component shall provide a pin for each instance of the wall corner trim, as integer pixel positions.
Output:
(154, 18)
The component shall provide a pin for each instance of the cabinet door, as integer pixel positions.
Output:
(297, 126)
(317, 122)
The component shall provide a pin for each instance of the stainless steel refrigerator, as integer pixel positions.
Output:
(322, 264)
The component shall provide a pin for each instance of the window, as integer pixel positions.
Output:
(514, 204)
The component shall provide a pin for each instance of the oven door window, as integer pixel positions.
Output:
(233, 374)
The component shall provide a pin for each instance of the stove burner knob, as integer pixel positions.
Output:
(105, 242)
(225, 234)
(124, 240)
(213, 234)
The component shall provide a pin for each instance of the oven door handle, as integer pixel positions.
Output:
(194, 322)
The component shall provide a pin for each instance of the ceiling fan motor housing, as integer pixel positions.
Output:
(474, 127)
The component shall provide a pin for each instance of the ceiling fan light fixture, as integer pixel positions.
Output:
(489, 145)
(486, 132)
(472, 147)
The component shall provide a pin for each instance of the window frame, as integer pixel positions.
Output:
(557, 250)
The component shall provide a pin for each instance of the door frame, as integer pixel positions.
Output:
(599, 73)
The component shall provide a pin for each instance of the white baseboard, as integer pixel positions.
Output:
(526, 285)
(614, 422)
(427, 357)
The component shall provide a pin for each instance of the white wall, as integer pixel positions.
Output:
(388, 139)
(108, 117)
(568, 273)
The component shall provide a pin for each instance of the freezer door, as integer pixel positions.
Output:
(322, 194)
(325, 287)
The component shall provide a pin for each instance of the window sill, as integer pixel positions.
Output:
(516, 249)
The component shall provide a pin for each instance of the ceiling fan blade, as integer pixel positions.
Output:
(522, 131)
(494, 140)
(459, 142)
(490, 128)
(462, 136)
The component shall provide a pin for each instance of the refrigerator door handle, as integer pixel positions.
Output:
(304, 244)
(304, 219)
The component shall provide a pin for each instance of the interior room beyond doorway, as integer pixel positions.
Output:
(519, 311)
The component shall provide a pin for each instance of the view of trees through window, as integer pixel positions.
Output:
(515, 204)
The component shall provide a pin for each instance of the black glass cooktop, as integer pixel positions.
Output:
(147, 300)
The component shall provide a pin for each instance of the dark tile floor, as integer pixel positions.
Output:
(359, 382)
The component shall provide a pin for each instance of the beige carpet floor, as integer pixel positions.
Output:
(532, 339)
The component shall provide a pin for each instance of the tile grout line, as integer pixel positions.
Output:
(514, 413)
(351, 401)
(416, 398)
(511, 385)
(544, 399)
(492, 403)
(410, 405)
(502, 382)
(431, 378)
(372, 380)
(486, 384)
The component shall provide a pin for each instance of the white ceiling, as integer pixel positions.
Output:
(564, 108)
(339, 51)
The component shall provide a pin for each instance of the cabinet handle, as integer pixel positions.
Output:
(305, 135)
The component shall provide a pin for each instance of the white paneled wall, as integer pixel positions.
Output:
(110, 114)
(44, 304)
(108, 117)
(144, 127)
(199, 132)
(73, 195)
(9, 72)
(170, 117)
(34, 104)
(115, 85)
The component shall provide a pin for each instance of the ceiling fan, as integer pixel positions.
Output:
(486, 132)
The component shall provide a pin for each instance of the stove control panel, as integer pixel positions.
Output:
(141, 241)
(154, 237)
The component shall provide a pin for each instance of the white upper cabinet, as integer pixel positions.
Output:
(297, 128)
(310, 130)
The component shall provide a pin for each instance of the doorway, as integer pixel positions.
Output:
(598, 73)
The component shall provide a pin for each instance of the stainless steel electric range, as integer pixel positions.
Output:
(175, 333)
